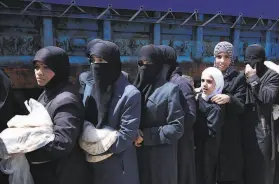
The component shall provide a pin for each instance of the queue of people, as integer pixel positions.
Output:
(167, 132)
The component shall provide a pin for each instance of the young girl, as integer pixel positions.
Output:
(61, 161)
(234, 94)
(208, 126)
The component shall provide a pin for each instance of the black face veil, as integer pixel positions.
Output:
(255, 56)
(147, 73)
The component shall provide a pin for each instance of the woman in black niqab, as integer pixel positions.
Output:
(9, 104)
(6, 109)
(162, 120)
(106, 68)
(9, 107)
(86, 77)
(149, 69)
(186, 155)
(258, 128)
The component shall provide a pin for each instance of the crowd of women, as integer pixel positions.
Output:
(167, 131)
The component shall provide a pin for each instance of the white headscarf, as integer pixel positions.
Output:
(219, 82)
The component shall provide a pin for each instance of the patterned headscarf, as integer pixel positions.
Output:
(225, 47)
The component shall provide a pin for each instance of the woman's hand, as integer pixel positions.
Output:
(221, 99)
(139, 139)
(249, 71)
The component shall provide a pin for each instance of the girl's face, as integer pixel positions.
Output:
(222, 61)
(207, 84)
(43, 74)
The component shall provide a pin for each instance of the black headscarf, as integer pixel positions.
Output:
(87, 76)
(58, 61)
(90, 45)
(104, 75)
(170, 64)
(148, 74)
(5, 87)
(255, 56)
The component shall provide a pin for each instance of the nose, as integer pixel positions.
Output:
(203, 84)
(39, 72)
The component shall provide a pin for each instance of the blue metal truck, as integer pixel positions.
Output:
(191, 27)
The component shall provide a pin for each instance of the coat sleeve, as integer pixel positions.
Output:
(174, 127)
(237, 102)
(68, 120)
(265, 93)
(215, 120)
(82, 78)
(190, 104)
(130, 121)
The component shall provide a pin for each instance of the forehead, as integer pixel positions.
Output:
(223, 54)
(40, 63)
(206, 76)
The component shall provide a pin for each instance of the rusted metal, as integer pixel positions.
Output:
(21, 36)
(23, 39)
(24, 78)
(21, 77)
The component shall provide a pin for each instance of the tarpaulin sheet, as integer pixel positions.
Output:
(249, 8)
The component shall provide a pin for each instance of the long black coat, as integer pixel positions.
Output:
(276, 176)
(207, 133)
(9, 107)
(231, 152)
(258, 129)
(64, 160)
(186, 153)
(162, 126)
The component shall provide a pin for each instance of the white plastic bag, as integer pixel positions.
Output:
(24, 134)
(95, 142)
(18, 169)
(272, 66)
(275, 111)
(27, 133)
